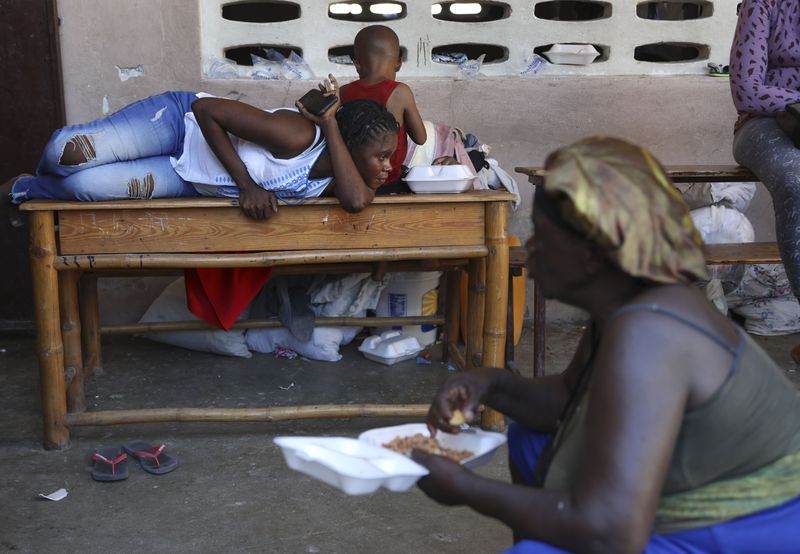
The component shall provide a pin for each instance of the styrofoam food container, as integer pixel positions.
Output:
(390, 347)
(572, 54)
(429, 179)
(482, 443)
(351, 465)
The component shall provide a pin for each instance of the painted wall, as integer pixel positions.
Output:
(684, 119)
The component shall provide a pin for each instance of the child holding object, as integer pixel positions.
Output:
(377, 61)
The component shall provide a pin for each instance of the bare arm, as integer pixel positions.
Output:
(533, 403)
(639, 392)
(285, 134)
(749, 63)
(349, 187)
(411, 117)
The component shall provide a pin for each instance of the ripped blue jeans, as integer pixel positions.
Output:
(125, 155)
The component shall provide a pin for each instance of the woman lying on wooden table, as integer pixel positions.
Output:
(179, 144)
(670, 430)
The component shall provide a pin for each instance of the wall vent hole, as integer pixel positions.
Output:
(666, 52)
(604, 50)
(457, 53)
(261, 12)
(367, 11)
(674, 11)
(241, 54)
(343, 55)
(470, 12)
(572, 10)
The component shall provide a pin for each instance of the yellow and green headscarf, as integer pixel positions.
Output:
(618, 196)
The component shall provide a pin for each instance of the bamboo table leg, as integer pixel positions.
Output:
(476, 299)
(452, 312)
(71, 335)
(90, 326)
(48, 329)
(494, 327)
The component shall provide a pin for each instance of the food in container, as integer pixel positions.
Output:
(481, 443)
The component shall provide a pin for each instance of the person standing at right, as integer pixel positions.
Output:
(765, 80)
(377, 60)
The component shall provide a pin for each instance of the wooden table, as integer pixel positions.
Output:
(70, 238)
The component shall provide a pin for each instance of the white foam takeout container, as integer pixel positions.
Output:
(430, 179)
(482, 443)
(361, 466)
(390, 347)
(351, 465)
(572, 54)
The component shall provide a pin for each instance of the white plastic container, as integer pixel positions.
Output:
(481, 443)
(412, 293)
(351, 465)
(430, 179)
(390, 347)
(572, 54)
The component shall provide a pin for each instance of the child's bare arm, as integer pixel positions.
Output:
(411, 117)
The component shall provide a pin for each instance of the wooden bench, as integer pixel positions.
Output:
(742, 253)
(69, 240)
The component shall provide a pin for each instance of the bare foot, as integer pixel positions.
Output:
(15, 217)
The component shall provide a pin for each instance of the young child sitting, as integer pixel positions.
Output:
(377, 60)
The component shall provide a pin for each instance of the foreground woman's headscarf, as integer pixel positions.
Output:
(617, 195)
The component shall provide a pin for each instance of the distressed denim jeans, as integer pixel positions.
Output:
(125, 155)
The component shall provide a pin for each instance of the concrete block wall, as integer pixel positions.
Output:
(619, 33)
(683, 118)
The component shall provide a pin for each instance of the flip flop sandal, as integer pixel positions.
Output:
(109, 465)
(151, 458)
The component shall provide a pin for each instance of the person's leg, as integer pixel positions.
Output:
(150, 127)
(761, 146)
(132, 180)
(774, 530)
(524, 449)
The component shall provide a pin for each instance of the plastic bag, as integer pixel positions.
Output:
(293, 67)
(533, 64)
(730, 195)
(765, 299)
(222, 68)
(721, 225)
(470, 69)
(264, 69)
(323, 346)
(455, 58)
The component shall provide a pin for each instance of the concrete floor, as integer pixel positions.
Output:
(233, 491)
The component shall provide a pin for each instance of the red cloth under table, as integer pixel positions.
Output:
(220, 295)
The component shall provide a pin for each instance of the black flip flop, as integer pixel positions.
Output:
(109, 465)
(151, 458)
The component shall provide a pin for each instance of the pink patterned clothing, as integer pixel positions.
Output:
(765, 58)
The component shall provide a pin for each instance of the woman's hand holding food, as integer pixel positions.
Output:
(457, 401)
